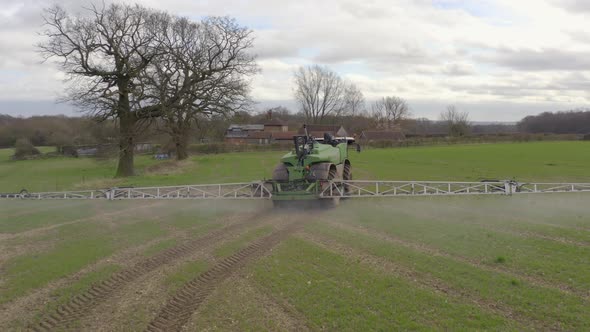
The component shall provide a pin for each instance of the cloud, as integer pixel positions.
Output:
(531, 53)
(575, 6)
(541, 60)
(459, 69)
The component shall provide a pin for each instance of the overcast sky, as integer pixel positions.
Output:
(500, 60)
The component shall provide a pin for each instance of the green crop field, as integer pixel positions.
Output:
(426, 263)
(539, 161)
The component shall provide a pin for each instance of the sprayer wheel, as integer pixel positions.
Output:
(347, 175)
(334, 201)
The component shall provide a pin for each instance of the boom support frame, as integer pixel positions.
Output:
(336, 188)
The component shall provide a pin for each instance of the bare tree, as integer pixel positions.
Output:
(457, 122)
(104, 53)
(390, 111)
(354, 100)
(320, 92)
(202, 72)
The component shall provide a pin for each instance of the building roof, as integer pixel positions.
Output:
(384, 135)
(236, 134)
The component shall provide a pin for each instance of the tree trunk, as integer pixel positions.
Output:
(126, 146)
(127, 121)
(181, 141)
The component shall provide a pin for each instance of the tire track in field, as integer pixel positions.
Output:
(83, 303)
(423, 280)
(134, 306)
(23, 308)
(32, 301)
(178, 310)
(564, 288)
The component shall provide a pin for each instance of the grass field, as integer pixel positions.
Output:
(539, 161)
(429, 263)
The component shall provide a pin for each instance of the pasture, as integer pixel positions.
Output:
(442, 263)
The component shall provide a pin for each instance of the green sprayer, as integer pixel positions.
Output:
(309, 168)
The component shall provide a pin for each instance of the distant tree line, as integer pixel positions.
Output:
(55, 131)
(62, 130)
(569, 122)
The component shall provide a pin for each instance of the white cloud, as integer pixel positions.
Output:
(530, 53)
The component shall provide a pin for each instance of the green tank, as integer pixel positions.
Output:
(307, 170)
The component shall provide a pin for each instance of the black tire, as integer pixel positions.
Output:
(280, 173)
(334, 201)
(347, 175)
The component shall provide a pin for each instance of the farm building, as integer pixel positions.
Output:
(257, 133)
(283, 137)
(237, 134)
(275, 125)
(258, 137)
(276, 131)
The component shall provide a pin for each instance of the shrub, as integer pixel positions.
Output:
(24, 149)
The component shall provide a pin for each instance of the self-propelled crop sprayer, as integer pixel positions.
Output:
(308, 170)
(316, 170)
